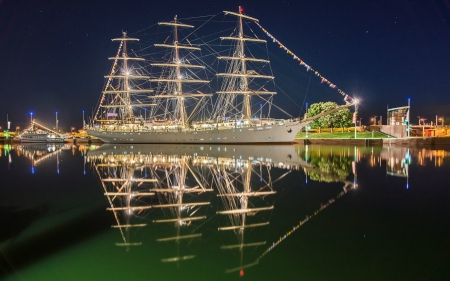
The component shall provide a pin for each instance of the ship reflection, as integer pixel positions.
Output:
(180, 180)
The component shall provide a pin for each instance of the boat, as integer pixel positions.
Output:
(39, 134)
(180, 110)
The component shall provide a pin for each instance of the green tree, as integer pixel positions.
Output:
(447, 121)
(338, 119)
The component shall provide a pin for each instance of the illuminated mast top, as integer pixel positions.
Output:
(241, 71)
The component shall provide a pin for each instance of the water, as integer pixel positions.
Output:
(323, 213)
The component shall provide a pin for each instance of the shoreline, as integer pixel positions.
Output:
(408, 142)
(381, 142)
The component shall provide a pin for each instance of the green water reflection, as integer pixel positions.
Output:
(165, 212)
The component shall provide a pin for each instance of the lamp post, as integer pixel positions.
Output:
(409, 109)
(31, 113)
(374, 119)
(356, 110)
(83, 121)
(56, 121)
(306, 125)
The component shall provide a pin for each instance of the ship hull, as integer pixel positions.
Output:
(276, 133)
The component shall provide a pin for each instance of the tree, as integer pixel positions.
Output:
(338, 119)
(447, 121)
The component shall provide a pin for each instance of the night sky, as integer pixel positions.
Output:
(54, 53)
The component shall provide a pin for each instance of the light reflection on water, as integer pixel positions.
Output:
(219, 211)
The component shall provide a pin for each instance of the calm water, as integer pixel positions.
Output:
(218, 212)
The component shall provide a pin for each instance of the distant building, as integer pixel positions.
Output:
(398, 115)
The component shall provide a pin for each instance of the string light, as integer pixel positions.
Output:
(347, 98)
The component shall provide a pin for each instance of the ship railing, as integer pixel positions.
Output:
(212, 127)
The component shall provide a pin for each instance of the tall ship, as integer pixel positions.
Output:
(180, 109)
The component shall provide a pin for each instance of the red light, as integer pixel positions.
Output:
(241, 9)
(241, 273)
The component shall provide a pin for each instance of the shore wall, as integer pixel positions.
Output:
(357, 142)
(406, 142)
(430, 141)
(398, 131)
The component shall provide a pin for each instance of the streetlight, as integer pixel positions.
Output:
(31, 113)
(409, 111)
(356, 112)
(57, 121)
(306, 125)
(374, 119)
(83, 120)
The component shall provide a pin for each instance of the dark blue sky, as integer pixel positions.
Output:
(54, 53)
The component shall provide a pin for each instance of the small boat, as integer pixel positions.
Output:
(32, 134)
(39, 136)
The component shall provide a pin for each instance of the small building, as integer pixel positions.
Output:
(398, 115)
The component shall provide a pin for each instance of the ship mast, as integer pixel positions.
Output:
(125, 90)
(244, 74)
(178, 80)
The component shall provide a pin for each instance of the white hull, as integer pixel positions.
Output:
(275, 133)
(40, 138)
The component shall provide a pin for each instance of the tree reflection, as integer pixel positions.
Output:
(332, 168)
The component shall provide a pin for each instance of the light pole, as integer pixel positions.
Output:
(31, 113)
(356, 111)
(374, 119)
(56, 121)
(306, 125)
(83, 121)
(409, 109)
